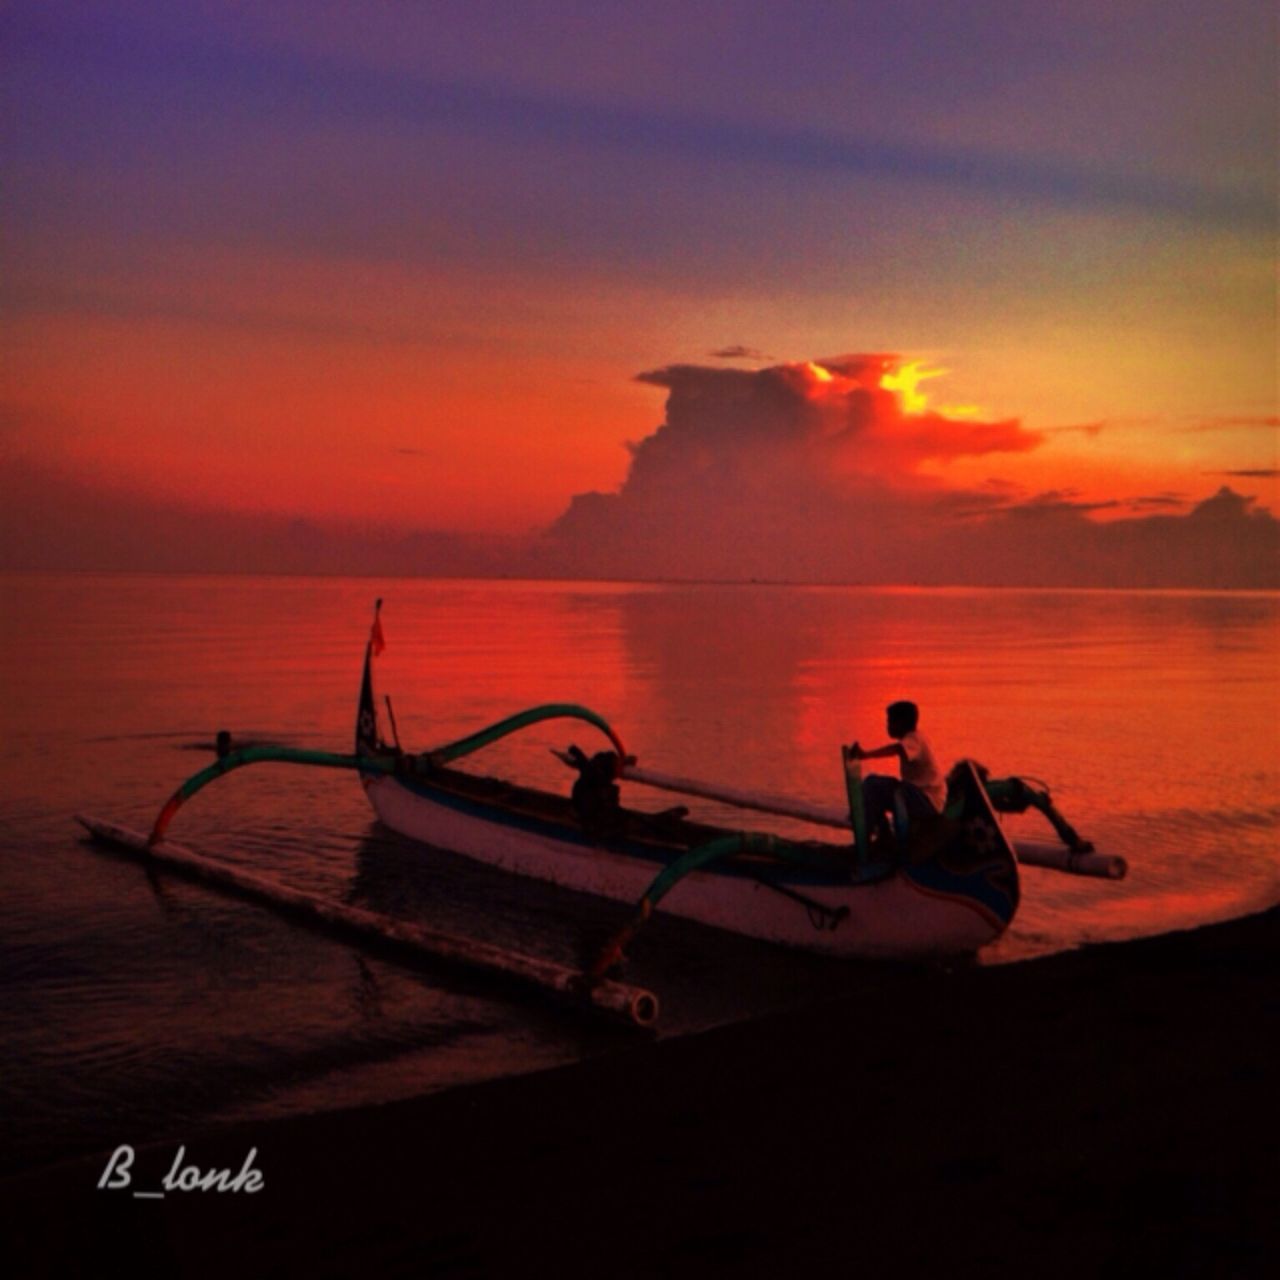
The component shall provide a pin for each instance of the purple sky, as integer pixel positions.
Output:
(387, 272)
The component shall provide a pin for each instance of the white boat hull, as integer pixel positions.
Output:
(893, 917)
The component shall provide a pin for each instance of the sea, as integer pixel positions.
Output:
(136, 1005)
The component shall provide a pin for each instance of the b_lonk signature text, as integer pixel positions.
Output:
(182, 1176)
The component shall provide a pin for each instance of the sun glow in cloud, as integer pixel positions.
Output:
(905, 379)
(899, 381)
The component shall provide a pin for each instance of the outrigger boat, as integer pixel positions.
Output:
(941, 886)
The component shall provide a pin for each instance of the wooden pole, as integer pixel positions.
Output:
(781, 805)
(1057, 857)
(620, 1000)
(1032, 853)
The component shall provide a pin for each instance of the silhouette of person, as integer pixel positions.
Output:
(920, 786)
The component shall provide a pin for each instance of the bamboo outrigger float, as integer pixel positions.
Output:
(947, 885)
(620, 1000)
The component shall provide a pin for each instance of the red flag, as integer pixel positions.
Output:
(377, 641)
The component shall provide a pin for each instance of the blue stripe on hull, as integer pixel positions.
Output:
(982, 889)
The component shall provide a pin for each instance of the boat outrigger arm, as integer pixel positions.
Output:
(399, 763)
(675, 871)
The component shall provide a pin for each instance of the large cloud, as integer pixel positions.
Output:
(833, 421)
(816, 471)
(797, 471)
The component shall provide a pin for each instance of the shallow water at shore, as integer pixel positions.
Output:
(134, 1004)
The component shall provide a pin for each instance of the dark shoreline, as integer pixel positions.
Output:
(1093, 1112)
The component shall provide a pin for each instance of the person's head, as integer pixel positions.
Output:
(902, 718)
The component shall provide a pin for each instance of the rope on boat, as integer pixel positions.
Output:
(821, 916)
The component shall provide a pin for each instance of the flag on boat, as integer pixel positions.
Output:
(367, 736)
(367, 715)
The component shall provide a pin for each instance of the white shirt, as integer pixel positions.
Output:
(920, 768)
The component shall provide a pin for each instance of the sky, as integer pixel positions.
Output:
(913, 291)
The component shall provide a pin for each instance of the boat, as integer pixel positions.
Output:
(940, 886)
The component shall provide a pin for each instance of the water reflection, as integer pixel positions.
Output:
(1153, 716)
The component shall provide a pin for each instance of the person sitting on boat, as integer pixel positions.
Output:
(596, 797)
(921, 788)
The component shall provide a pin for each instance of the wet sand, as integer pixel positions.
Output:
(1098, 1112)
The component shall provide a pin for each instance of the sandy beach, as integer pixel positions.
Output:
(1088, 1113)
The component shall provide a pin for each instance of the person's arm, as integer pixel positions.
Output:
(889, 750)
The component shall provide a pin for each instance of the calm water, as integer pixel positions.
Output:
(136, 1006)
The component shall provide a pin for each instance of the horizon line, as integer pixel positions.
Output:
(768, 583)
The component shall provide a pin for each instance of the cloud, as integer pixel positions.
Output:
(834, 419)
(1158, 500)
(1056, 500)
(808, 470)
(739, 353)
(815, 471)
(1264, 422)
(1222, 542)
(1256, 473)
(1089, 429)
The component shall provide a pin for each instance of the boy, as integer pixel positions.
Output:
(921, 786)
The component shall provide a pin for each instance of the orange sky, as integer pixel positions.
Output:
(355, 414)
(249, 270)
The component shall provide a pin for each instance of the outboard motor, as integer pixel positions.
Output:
(1017, 795)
